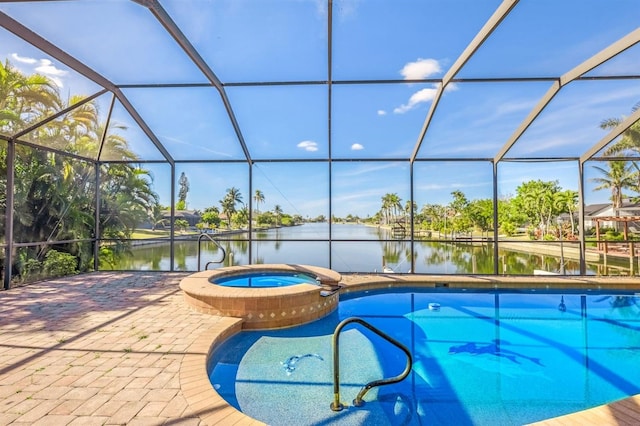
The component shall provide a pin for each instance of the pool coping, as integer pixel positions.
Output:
(264, 307)
(212, 409)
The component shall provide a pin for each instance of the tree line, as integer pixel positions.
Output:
(233, 212)
(537, 204)
(535, 207)
(55, 194)
(59, 175)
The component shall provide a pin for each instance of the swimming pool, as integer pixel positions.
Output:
(482, 358)
(266, 279)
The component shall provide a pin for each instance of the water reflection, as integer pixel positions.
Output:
(354, 248)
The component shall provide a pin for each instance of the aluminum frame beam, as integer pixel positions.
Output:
(172, 28)
(46, 46)
(489, 27)
(614, 133)
(572, 75)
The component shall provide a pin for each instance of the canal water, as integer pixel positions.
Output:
(354, 248)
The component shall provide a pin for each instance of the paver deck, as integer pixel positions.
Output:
(108, 348)
(99, 348)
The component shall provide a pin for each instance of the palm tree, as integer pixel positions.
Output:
(128, 197)
(156, 217)
(258, 197)
(384, 209)
(25, 100)
(630, 140)
(617, 177)
(54, 193)
(629, 143)
(391, 204)
(228, 203)
(234, 195)
(409, 209)
(536, 201)
(228, 208)
(242, 216)
(277, 210)
(567, 200)
(396, 205)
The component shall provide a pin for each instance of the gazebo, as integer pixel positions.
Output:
(614, 248)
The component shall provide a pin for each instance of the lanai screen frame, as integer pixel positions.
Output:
(155, 8)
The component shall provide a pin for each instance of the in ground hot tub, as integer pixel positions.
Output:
(266, 279)
(265, 307)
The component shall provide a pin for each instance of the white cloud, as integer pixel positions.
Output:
(23, 59)
(47, 67)
(421, 96)
(44, 67)
(422, 68)
(310, 146)
(356, 147)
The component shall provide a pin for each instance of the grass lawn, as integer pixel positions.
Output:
(148, 233)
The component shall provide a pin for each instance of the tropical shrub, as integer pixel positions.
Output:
(181, 224)
(58, 264)
(508, 228)
(55, 194)
(31, 269)
(613, 236)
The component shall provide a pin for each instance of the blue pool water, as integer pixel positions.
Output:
(266, 279)
(480, 358)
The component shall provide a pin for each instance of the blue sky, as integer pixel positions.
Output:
(286, 40)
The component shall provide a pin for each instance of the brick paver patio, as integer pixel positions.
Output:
(113, 348)
(99, 348)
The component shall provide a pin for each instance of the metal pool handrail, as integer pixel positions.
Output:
(336, 405)
(213, 240)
